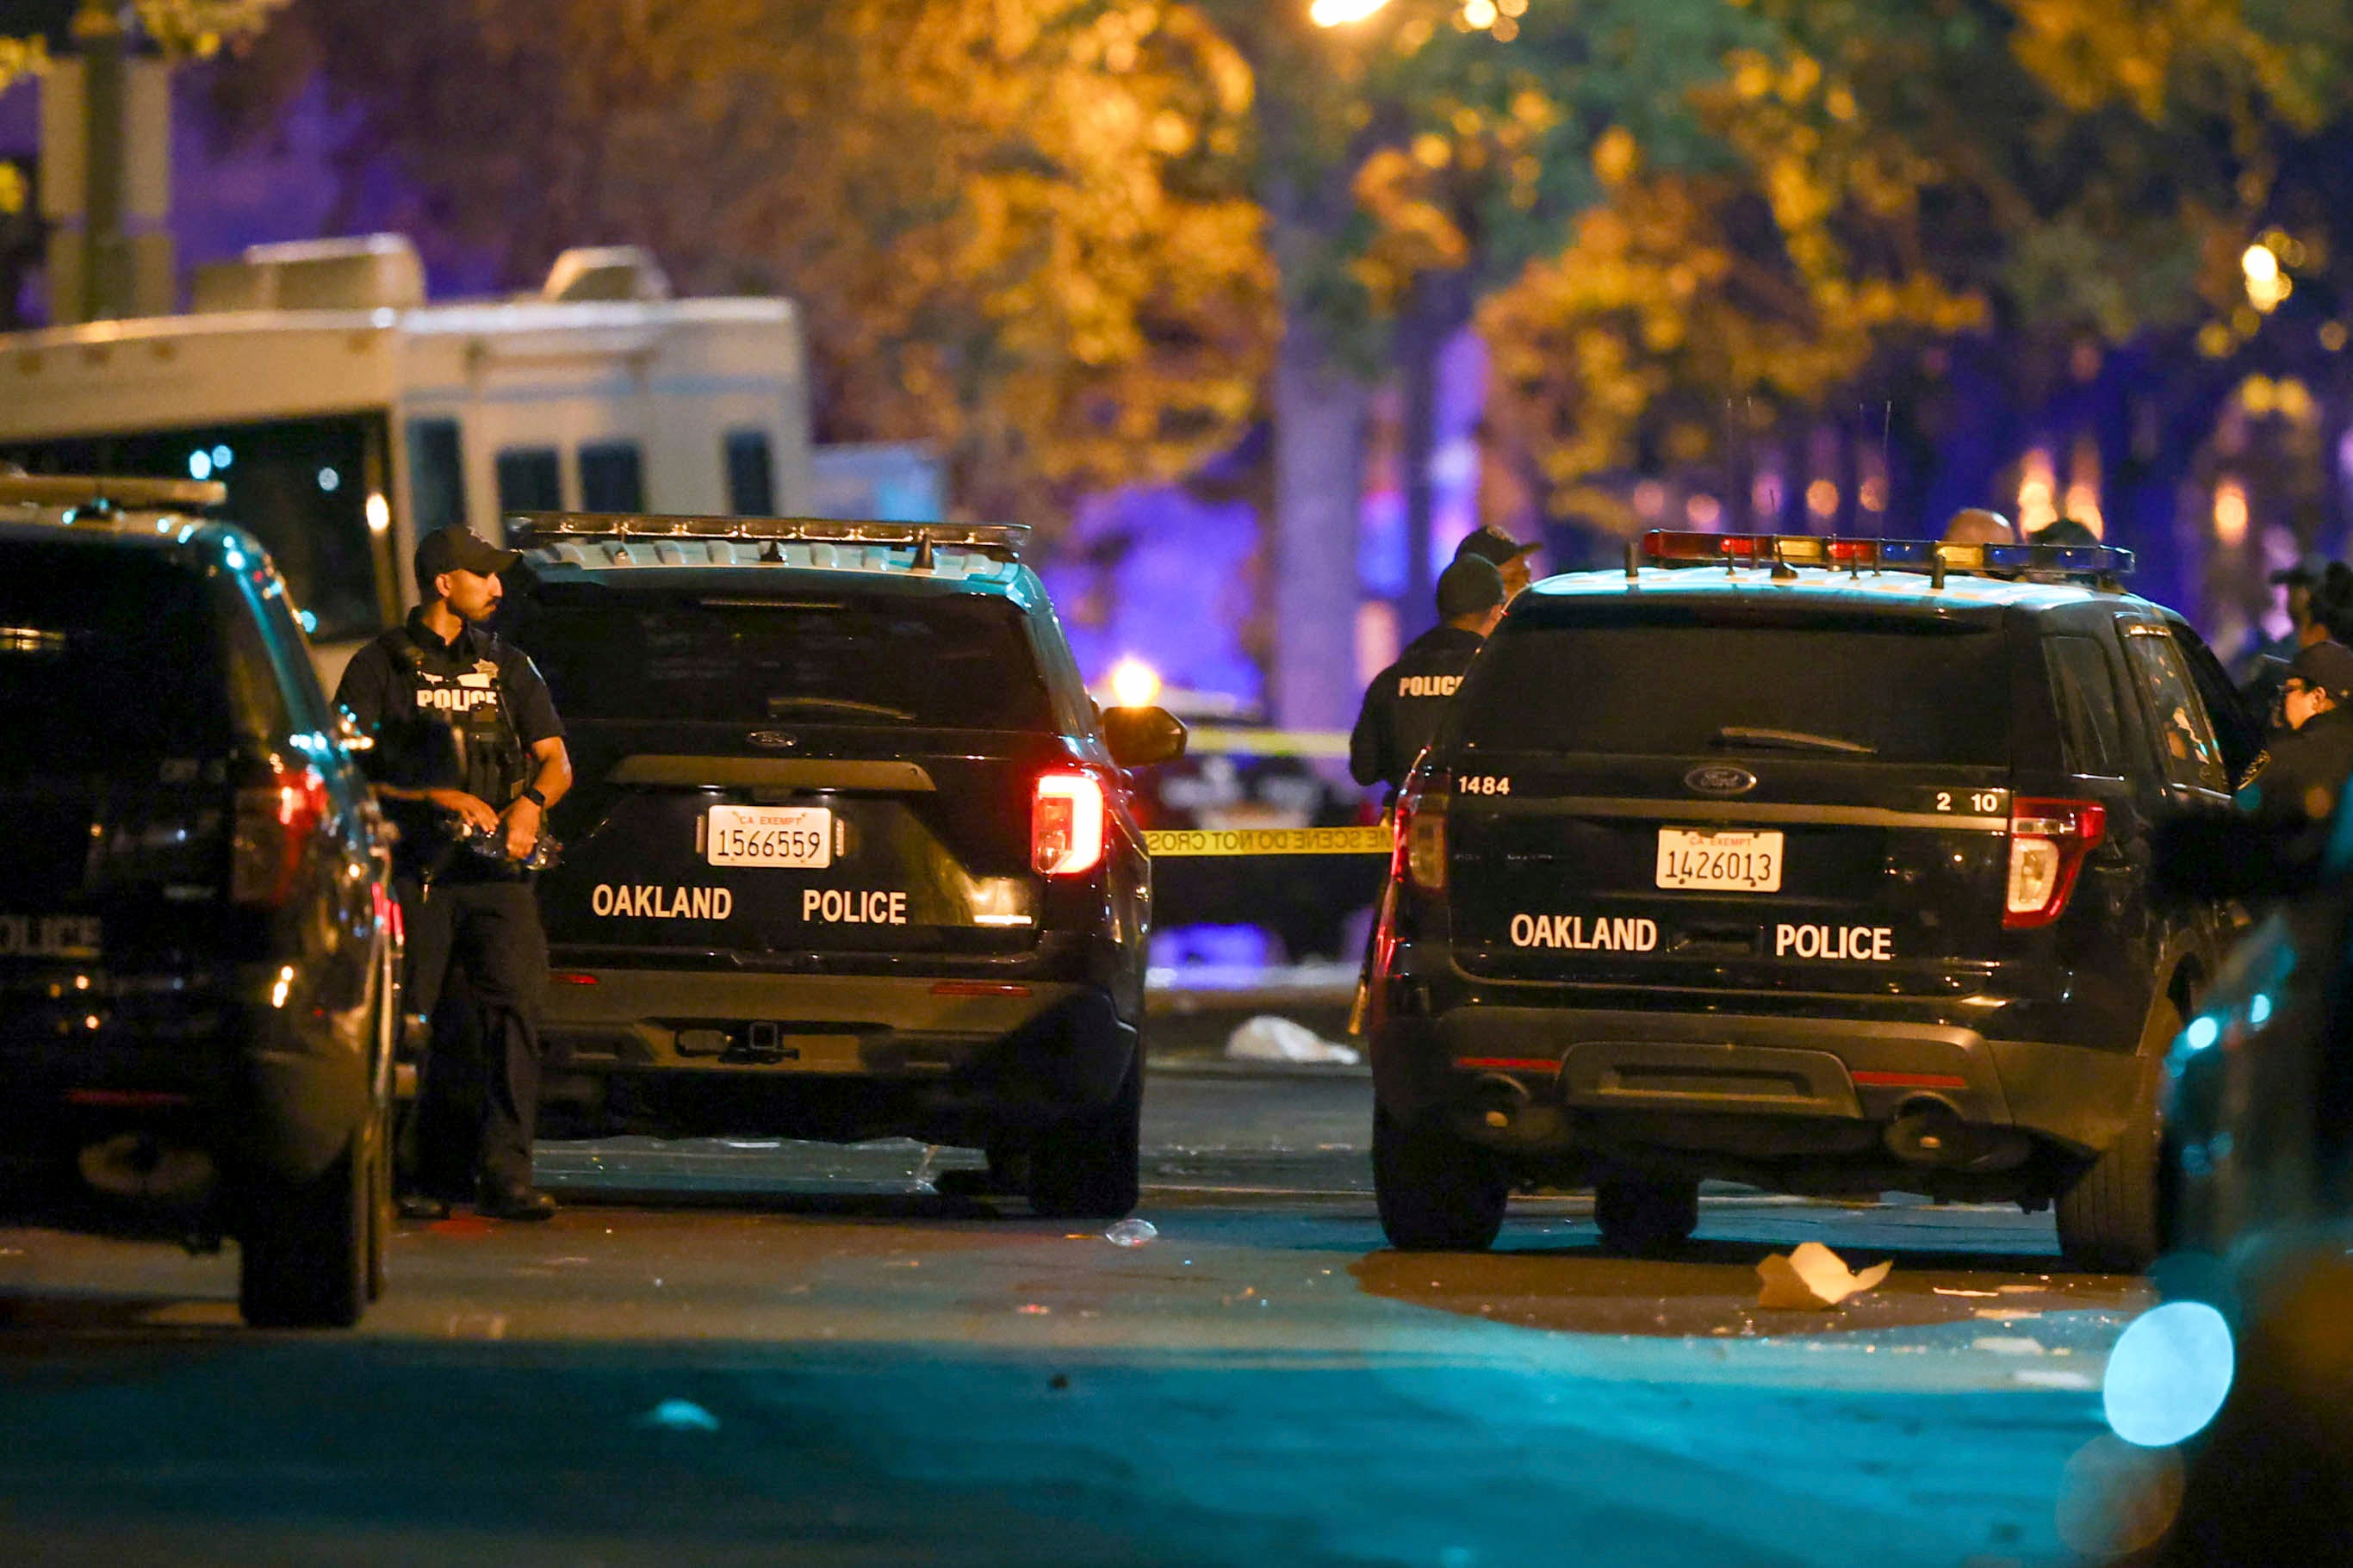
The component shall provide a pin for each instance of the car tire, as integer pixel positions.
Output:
(1436, 1192)
(303, 1252)
(1089, 1167)
(2112, 1220)
(1645, 1214)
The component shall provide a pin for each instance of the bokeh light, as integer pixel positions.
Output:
(2169, 1374)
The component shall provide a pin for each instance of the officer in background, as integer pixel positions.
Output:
(2301, 771)
(1506, 554)
(1404, 701)
(469, 747)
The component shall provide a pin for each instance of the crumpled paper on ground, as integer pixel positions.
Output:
(1268, 1038)
(1813, 1276)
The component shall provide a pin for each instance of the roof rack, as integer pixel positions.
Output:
(999, 541)
(1785, 552)
(120, 492)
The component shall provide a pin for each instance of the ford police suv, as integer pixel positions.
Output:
(198, 945)
(852, 855)
(1820, 865)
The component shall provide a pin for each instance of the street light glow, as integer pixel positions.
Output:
(1133, 683)
(1340, 13)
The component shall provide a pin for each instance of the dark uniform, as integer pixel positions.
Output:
(1405, 703)
(2298, 777)
(464, 715)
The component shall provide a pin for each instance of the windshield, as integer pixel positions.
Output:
(1680, 680)
(942, 661)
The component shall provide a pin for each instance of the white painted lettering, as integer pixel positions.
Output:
(650, 902)
(1850, 944)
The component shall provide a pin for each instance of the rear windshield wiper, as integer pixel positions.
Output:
(836, 705)
(1791, 741)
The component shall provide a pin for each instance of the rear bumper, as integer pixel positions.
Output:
(924, 1053)
(1644, 1068)
(206, 1065)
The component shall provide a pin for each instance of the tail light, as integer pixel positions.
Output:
(1066, 824)
(1420, 854)
(275, 822)
(2048, 842)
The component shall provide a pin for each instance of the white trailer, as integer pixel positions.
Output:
(346, 415)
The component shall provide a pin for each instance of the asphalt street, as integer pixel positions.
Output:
(775, 1353)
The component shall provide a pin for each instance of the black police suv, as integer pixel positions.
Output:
(1822, 866)
(197, 945)
(850, 854)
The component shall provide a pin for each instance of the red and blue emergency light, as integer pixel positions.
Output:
(1668, 548)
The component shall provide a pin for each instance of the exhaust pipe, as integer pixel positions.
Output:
(143, 1168)
(1930, 1131)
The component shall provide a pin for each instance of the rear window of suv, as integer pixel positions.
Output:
(944, 661)
(1686, 679)
(109, 659)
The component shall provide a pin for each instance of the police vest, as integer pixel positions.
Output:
(469, 711)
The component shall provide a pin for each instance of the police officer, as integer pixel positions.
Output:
(1404, 701)
(1506, 554)
(469, 742)
(2299, 775)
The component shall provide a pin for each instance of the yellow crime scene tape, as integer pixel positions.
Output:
(1177, 841)
(1211, 739)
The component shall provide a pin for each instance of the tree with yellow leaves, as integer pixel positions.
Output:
(1019, 229)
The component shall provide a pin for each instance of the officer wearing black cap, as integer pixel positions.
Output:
(1404, 701)
(2300, 775)
(1505, 554)
(468, 747)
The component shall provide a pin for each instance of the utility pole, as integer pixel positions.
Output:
(106, 150)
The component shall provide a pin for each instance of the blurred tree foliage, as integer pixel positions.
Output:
(1877, 174)
(1020, 229)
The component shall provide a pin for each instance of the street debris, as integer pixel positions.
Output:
(680, 1415)
(1033, 1310)
(1131, 1233)
(2008, 1344)
(2005, 1314)
(1943, 1290)
(1813, 1276)
(1268, 1038)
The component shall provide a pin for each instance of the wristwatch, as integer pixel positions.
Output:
(531, 793)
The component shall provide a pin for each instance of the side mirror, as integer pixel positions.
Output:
(1139, 737)
(2229, 855)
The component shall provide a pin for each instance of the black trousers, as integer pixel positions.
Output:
(490, 929)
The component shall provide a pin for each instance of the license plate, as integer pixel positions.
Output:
(790, 836)
(1722, 862)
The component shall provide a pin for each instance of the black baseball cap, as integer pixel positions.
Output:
(456, 548)
(2325, 667)
(1493, 546)
(1469, 586)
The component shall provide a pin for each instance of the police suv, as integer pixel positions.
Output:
(198, 945)
(1821, 865)
(850, 854)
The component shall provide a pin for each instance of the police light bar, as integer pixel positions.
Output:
(121, 492)
(999, 541)
(1667, 548)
